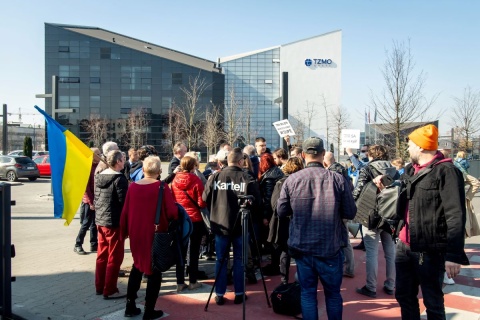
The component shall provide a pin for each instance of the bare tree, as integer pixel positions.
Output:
(340, 121)
(310, 113)
(136, 126)
(298, 125)
(466, 117)
(191, 113)
(402, 100)
(326, 108)
(232, 118)
(212, 131)
(97, 127)
(176, 126)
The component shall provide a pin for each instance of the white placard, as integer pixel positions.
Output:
(284, 128)
(350, 138)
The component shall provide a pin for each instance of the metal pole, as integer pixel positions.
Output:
(6, 245)
(4, 130)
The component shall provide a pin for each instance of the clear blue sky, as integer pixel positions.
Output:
(444, 39)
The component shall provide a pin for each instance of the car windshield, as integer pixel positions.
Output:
(23, 160)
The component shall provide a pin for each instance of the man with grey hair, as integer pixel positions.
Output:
(318, 200)
(106, 148)
(179, 150)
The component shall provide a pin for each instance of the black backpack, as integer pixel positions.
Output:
(286, 299)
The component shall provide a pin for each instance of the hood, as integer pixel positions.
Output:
(105, 179)
(183, 180)
(384, 168)
(337, 167)
(273, 173)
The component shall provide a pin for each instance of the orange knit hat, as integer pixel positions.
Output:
(425, 137)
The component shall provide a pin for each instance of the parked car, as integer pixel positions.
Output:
(43, 164)
(14, 167)
(35, 153)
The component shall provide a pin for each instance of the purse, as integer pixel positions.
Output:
(204, 212)
(164, 247)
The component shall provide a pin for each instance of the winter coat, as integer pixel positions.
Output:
(279, 227)
(438, 197)
(110, 192)
(175, 162)
(267, 184)
(365, 175)
(472, 227)
(193, 186)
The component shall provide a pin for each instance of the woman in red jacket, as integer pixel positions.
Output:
(187, 190)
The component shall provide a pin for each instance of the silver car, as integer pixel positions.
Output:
(14, 167)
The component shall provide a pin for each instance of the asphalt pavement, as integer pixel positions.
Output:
(53, 282)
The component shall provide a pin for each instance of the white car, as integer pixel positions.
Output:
(35, 153)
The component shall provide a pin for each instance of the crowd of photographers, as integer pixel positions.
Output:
(302, 204)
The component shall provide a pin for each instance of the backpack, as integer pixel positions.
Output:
(184, 229)
(286, 299)
(136, 175)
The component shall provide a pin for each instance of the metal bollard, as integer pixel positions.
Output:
(7, 251)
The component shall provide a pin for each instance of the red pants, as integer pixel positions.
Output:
(109, 259)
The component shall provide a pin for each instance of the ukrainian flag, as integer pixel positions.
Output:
(71, 162)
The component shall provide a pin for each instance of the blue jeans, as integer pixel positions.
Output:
(428, 275)
(330, 272)
(370, 240)
(222, 246)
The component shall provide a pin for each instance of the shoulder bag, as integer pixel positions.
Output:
(164, 247)
(203, 211)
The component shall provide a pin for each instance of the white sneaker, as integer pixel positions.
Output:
(447, 280)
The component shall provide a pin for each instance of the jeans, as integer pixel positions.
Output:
(370, 240)
(194, 254)
(329, 270)
(222, 245)
(88, 223)
(349, 259)
(419, 269)
(109, 259)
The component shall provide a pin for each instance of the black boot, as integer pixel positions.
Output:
(131, 309)
(152, 314)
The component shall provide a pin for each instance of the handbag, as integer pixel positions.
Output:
(164, 247)
(286, 299)
(204, 212)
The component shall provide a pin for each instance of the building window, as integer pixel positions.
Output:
(105, 53)
(94, 79)
(69, 80)
(177, 78)
(63, 49)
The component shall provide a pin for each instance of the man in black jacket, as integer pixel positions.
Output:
(221, 194)
(179, 150)
(432, 203)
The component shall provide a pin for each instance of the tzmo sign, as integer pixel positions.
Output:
(318, 63)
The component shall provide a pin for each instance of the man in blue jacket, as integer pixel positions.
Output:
(318, 200)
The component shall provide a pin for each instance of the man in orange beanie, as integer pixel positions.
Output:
(432, 204)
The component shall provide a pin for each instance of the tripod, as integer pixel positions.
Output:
(244, 213)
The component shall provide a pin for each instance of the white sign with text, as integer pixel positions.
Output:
(350, 138)
(284, 128)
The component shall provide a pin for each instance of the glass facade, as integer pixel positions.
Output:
(105, 79)
(254, 81)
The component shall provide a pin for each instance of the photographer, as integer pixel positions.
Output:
(222, 194)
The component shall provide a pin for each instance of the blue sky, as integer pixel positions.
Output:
(443, 36)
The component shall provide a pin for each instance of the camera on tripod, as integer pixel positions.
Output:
(245, 201)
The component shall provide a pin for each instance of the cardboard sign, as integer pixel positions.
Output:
(350, 138)
(284, 128)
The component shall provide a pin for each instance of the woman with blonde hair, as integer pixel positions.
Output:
(138, 224)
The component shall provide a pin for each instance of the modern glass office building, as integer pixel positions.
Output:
(107, 75)
(282, 82)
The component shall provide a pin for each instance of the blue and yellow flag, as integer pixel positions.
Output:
(71, 162)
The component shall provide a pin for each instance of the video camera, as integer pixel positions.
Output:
(244, 201)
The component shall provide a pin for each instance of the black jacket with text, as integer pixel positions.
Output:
(221, 194)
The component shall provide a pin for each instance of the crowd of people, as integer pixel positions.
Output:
(303, 202)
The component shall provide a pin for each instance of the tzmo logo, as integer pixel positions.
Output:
(314, 63)
(229, 186)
